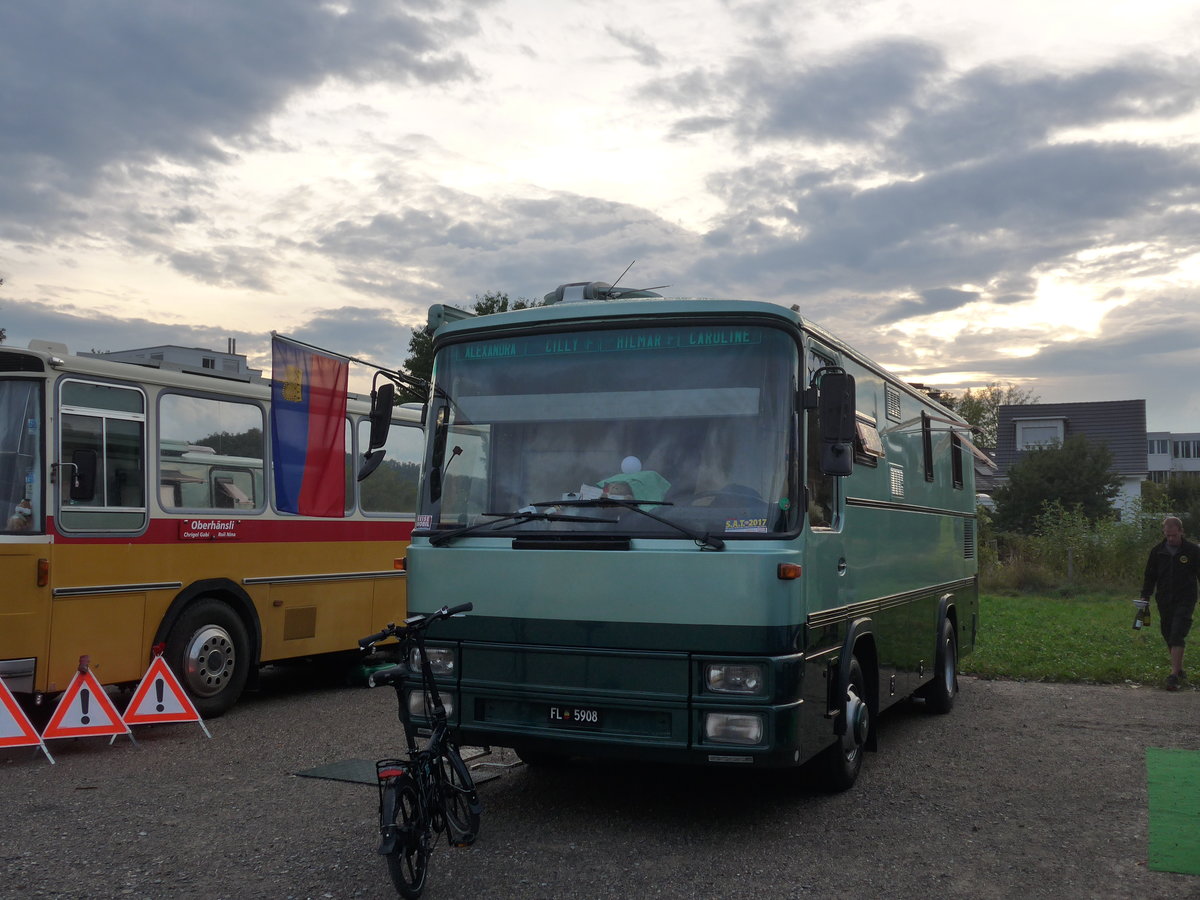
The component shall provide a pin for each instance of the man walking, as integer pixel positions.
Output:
(1171, 575)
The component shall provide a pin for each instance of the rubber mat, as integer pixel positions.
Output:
(1173, 783)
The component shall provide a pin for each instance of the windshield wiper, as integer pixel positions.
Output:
(703, 540)
(519, 517)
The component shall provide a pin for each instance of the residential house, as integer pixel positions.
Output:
(1121, 424)
(1173, 455)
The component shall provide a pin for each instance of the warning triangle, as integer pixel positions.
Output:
(15, 728)
(160, 698)
(84, 711)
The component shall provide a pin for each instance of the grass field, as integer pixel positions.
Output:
(1081, 639)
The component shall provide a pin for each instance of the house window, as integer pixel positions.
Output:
(1158, 446)
(1035, 433)
(1186, 449)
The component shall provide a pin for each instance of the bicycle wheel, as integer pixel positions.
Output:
(409, 860)
(460, 802)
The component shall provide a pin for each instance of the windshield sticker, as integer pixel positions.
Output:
(424, 523)
(745, 526)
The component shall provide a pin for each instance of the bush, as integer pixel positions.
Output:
(1067, 553)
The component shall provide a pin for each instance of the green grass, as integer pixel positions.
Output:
(1074, 639)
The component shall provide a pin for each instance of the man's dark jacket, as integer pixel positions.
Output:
(1172, 576)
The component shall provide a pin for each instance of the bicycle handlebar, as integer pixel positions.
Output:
(416, 622)
(387, 676)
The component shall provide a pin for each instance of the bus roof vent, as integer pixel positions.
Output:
(54, 348)
(578, 291)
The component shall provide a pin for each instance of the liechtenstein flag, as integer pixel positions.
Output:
(308, 429)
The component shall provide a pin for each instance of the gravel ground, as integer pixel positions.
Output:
(1031, 790)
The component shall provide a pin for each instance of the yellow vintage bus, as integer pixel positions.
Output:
(139, 517)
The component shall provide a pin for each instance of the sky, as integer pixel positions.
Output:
(969, 192)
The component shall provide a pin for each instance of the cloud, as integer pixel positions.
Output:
(374, 335)
(999, 109)
(524, 246)
(643, 49)
(92, 89)
(931, 301)
(223, 266)
(993, 221)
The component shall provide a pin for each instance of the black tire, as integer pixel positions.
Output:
(939, 693)
(408, 863)
(461, 801)
(209, 651)
(843, 760)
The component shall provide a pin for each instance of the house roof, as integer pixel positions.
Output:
(1121, 424)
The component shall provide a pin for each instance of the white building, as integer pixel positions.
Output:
(1172, 453)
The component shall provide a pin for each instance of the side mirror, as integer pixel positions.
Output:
(382, 401)
(836, 412)
(83, 476)
(371, 461)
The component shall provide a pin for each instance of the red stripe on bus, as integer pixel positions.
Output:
(257, 531)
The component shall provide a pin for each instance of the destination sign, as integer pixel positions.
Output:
(732, 337)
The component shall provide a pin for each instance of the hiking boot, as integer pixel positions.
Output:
(1172, 682)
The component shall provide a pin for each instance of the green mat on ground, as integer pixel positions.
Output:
(1173, 780)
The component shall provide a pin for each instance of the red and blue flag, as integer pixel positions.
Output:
(308, 429)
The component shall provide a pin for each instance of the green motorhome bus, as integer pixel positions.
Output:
(702, 531)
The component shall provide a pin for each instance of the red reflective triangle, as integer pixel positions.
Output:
(84, 711)
(160, 698)
(15, 728)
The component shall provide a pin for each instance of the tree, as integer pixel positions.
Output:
(981, 407)
(419, 363)
(244, 443)
(1076, 474)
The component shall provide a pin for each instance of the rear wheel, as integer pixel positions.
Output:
(409, 860)
(461, 801)
(843, 760)
(209, 651)
(939, 693)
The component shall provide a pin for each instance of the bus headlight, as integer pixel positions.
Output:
(441, 660)
(734, 678)
(734, 728)
(418, 702)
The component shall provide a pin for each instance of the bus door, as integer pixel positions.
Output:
(826, 569)
(24, 623)
(101, 495)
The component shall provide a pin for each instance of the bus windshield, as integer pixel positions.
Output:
(692, 423)
(20, 455)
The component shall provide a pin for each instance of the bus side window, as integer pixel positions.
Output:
(210, 453)
(392, 488)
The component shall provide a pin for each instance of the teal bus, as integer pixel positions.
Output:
(700, 531)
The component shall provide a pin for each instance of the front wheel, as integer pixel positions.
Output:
(460, 802)
(209, 650)
(408, 860)
(843, 760)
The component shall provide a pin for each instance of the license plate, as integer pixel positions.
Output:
(574, 716)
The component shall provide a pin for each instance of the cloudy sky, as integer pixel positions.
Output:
(970, 192)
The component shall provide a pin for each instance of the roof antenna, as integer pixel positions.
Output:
(622, 275)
